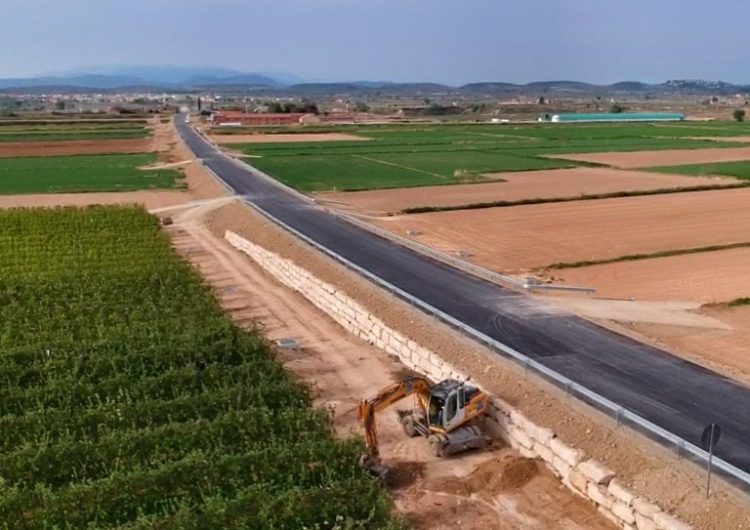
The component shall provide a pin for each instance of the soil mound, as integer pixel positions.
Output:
(494, 476)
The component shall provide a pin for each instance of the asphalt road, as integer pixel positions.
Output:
(677, 395)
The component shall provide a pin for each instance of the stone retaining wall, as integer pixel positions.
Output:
(585, 477)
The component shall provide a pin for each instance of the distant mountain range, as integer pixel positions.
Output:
(166, 77)
(189, 79)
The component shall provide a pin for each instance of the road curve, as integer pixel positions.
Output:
(672, 393)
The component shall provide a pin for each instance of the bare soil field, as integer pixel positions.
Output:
(716, 337)
(705, 277)
(149, 198)
(722, 347)
(649, 469)
(527, 237)
(494, 489)
(283, 138)
(75, 147)
(675, 157)
(723, 350)
(544, 184)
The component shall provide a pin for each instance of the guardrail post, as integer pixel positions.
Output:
(680, 448)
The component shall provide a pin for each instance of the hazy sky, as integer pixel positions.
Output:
(449, 41)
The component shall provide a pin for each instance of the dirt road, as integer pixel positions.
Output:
(489, 490)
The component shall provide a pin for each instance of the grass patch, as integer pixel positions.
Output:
(591, 197)
(737, 302)
(436, 154)
(740, 170)
(129, 400)
(81, 173)
(637, 257)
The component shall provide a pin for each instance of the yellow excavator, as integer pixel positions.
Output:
(442, 413)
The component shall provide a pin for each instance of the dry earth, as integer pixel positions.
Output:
(527, 237)
(674, 157)
(704, 277)
(149, 198)
(75, 147)
(517, 186)
(716, 337)
(723, 349)
(284, 138)
(647, 468)
(487, 490)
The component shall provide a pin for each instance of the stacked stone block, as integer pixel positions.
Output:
(585, 477)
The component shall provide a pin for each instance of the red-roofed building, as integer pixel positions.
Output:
(251, 119)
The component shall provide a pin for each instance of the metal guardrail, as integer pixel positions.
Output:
(682, 446)
(475, 270)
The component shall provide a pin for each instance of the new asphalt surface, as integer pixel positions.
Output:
(674, 394)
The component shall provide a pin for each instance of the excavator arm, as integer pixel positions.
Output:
(384, 399)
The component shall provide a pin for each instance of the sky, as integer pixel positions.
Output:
(446, 41)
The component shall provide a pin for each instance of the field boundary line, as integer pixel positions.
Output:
(407, 168)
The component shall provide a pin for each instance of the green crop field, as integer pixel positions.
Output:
(29, 132)
(421, 155)
(79, 173)
(740, 170)
(128, 400)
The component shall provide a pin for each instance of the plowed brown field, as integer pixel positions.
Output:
(525, 237)
(517, 186)
(148, 198)
(675, 157)
(703, 277)
(75, 147)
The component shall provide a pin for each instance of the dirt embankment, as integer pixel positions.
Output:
(647, 468)
(528, 237)
(486, 490)
(515, 186)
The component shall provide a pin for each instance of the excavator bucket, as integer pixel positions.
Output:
(374, 467)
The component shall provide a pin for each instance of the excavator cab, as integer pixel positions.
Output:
(447, 409)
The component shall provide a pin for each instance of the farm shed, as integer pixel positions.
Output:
(254, 119)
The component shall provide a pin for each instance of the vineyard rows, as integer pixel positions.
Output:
(129, 401)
